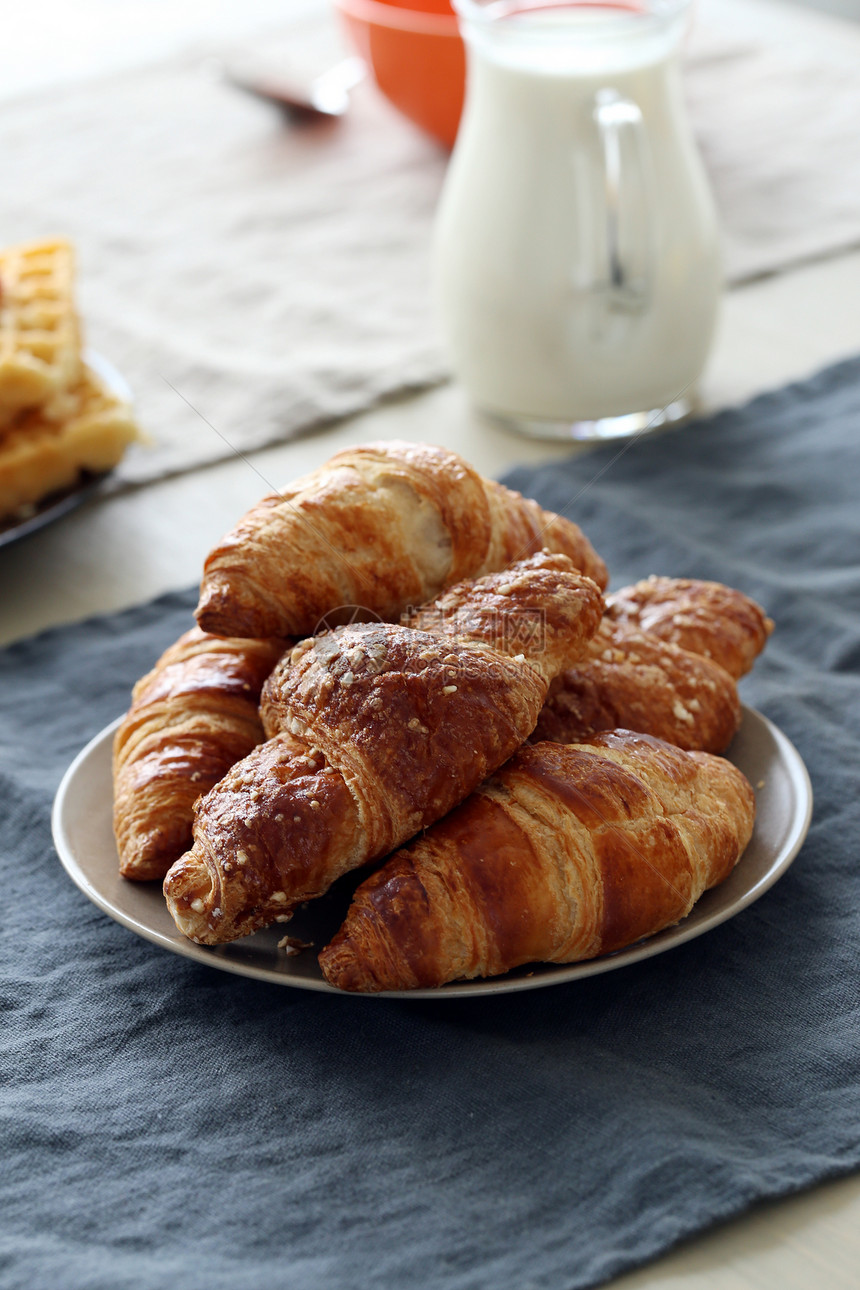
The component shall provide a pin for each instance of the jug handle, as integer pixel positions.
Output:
(628, 291)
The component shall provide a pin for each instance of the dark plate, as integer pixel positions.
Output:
(49, 509)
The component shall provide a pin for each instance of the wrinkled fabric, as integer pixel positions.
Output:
(166, 1123)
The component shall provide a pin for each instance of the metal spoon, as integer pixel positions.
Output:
(326, 95)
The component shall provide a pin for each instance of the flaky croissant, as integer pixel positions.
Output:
(663, 662)
(706, 618)
(565, 854)
(635, 681)
(377, 730)
(383, 526)
(191, 718)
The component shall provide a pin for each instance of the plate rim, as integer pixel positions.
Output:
(550, 975)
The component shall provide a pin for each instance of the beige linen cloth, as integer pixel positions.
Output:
(253, 280)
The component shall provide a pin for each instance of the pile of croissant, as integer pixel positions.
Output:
(528, 770)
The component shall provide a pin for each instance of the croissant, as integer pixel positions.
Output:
(383, 526)
(707, 618)
(663, 662)
(565, 854)
(191, 718)
(636, 681)
(376, 730)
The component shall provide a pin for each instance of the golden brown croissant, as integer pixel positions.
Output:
(706, 618)
(663, 662)
(637, 681)
(384, 526)
(565, 854)
(191, 718)
(376, 731)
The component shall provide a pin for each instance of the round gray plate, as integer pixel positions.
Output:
(83, 836)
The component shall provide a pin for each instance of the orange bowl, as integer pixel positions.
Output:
(416, 54)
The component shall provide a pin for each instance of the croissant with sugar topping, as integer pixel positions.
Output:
(375, 731)
(707, 618)
(664, 661)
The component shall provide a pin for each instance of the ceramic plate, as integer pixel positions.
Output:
(58, 504)
(84, 839)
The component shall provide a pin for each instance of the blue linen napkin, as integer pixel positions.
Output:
(166, 1123)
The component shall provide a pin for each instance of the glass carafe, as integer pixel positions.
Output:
(576, 246)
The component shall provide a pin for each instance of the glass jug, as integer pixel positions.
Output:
(576, 247)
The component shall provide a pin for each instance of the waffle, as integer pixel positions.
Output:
(40, 344)
(40, 456)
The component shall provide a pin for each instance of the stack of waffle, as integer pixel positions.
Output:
(58, 421)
